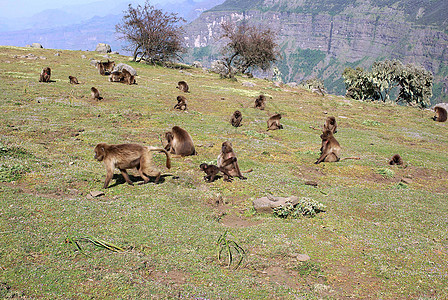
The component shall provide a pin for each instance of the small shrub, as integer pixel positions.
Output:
(305, 207)
(371, 123)
(13, 173)
(385, 172)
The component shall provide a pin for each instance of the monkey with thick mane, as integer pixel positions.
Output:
(228, 164)
(129, 156)
(183, 86)
(440, 111)
(73, 80)
(45, 75)
(128, 78)
(236, 119)
(179, 142)
(181, 103)
(274, 122)
(104, 67)
(260, 102)
(95, 94)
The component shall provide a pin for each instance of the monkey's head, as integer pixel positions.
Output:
(169, 136)
(237, 114)
(396, 160)
(203, 167)
(331, 120)
(180, 99)
(277, 116)
(326, 134)
(93, 89)
(100, 151)
(441, 114)
(226, 147)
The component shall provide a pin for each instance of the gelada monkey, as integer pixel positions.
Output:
(45, 75)
(212, 172)
(236, 119)
(181, 103)
(330, 124)
(73, 80)
(330, 149)
(274, 122)
(227, 162)
(396, 160)
(95, 94)
(260, 102)
(183, 86)
(179, 142)
(129, 156)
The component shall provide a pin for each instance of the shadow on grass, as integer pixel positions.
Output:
(119, 179)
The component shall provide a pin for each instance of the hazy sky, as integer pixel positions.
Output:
(17, 8)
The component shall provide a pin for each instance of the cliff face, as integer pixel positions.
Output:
(321, 44)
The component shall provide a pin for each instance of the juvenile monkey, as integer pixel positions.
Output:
(179, 142)
(236, 119)
(128, 78)
(330, 124)
(260, 102)
(129, 156)
(274, 122)
(212, 172)
(330, 148)
(227, 162)
(396, 160)
(116, 76)
(181, 103)
(73, 80)
(95, 94)
(183, 86)
(45, 75)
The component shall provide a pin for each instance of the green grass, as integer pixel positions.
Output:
(378, 238)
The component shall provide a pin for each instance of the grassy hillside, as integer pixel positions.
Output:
(379, 238)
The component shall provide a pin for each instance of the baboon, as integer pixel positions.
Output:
(183, 86)
(108, 66)
(227, 162)
(181, 103)
(330, 148)
(73, 80)
(330, 124)
(128, 78)
(95, 94)
(100, 68)
(179, 142)
(274, 122)
(396, 160)
(129, 156)
(212, 172)
(440, 112)
(260, 102)
(116, 76)
(45, 75)
(236, 119)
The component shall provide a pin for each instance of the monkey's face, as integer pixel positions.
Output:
(99, 152)
(169, 136)
(226, 147)
(326, 135)
(203, 167)
(237, 114)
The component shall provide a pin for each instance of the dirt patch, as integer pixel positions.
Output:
(169, 277)
(234, 221)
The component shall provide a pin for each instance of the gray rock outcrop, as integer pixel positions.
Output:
(267, 204)
(128, 68)
(103, 48)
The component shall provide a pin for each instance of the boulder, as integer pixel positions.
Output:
(103, 48)
(248, 84)
(197, 64)
(128, 68)
(36, 45)
(267, 204)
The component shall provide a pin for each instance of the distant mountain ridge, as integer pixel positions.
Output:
(320, 38)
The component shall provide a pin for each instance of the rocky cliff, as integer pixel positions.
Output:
(321, 38)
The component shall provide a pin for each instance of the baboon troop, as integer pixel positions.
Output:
(181, 103)
(274, 122)
(441, 114)
(227, 162)
(260, 102)
(129, 156)
(179, 142)
(330, 148)
(330, 124)
(73, 80)
(95, 94)
(396, 160)
(236, 119)
(183, 86)
(45, 75)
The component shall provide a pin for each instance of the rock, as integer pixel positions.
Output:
(248, 84)
(302, 257)
(103, 48)
(128, 68)
(197, 64)
(106, 56)
(83, 56)
(406, 180)
(42, 57)
(36, 45)
(309, 182)
(277, 84)
(96, 194)
(57, 54)
(292, 84)
(267, 204)
(94, 62)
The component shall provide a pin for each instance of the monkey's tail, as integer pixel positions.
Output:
(350, 158)
(168, 159)
(248, 171)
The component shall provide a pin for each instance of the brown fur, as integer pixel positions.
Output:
(227, 161)
(105, 68)
(101, 69)
(396, 160)
(73, 80)
(128, 78)
(260, 102)
(236, 119)
(212, 172)
(116, 76)
(129, 156)
(330, 148)
(45, 75)
(274, 122)
(95, 94)
(183, 86)
(330, 124)
(181, 103)
(179, 142)
(440, 114)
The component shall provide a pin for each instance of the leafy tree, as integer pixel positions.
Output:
(249, 47)
(414, 83)
(152, 34)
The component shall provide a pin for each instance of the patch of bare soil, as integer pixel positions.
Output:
(235, 221)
